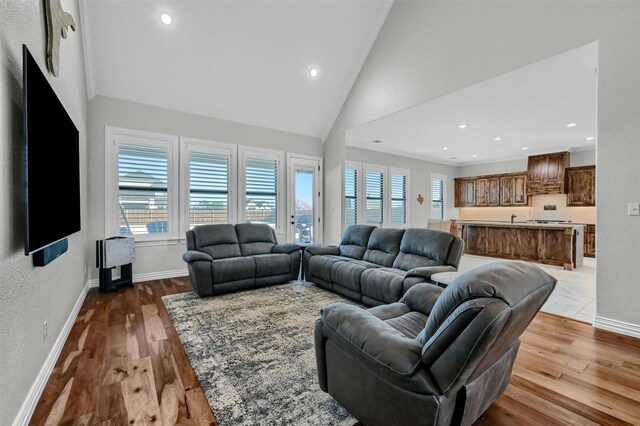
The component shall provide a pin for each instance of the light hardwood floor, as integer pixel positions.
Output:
(124, 365)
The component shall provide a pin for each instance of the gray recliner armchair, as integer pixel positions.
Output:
(225, 258)
(437, 357)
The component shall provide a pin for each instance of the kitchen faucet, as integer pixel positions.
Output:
(513, 216)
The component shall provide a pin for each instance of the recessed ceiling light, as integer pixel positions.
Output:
(165, 18)
(462, 126)
(377, 141)
(453, 158)
(474, 155)
(571, 125)
(497, 139)
(525, 148)
(313, 72)
(590, 138)
(445, 148)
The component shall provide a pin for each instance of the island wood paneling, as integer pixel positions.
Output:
(111, 371)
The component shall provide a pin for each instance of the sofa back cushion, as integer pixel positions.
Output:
(384, 245)
(354, 241)
(218, 241)
(255, 238)
(424, 247)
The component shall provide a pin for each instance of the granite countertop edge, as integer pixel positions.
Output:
(521, 224)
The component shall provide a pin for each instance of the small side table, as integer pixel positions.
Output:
(443, 279)
(111, 253)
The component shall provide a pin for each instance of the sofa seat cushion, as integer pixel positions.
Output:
(272, 264)
(233, 269)
(401, 317)
(347, 274)
(382, 284)
(384, 246)
(365, 264)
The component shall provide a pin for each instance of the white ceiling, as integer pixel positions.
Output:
(244, 61)
(529, 107)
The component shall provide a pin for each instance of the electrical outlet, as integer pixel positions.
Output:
(634, 209)
(45, 330)
(549, 207)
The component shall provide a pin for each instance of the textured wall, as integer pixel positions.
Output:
(432, 48)
(105, 111)
(29, 296)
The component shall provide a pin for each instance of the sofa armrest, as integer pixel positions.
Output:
(194, 255)
(422, 297)
(285, 248)
(379, 344)
(427, 271)
(323, 250)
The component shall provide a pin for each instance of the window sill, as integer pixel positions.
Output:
(155, 243)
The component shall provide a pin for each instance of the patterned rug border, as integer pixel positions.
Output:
(250, 377)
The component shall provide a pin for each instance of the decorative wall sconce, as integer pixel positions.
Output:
(57, 22)
(420, 199)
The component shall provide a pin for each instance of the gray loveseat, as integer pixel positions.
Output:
(378, 265)
(437, 357)
(225, 258)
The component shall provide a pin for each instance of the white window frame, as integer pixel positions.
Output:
(188, 145)
(267, 154)
(393, 171)
(359, 190)
(443, 178)
(385, 193)
(113, 136)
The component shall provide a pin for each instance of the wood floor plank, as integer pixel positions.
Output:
(566, 371)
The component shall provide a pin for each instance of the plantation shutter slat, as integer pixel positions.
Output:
(261, 177)
(208, 188)
(142, 189)
(398, 199)
(374, 182)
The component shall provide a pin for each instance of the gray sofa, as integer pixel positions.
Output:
(378, 265)
(437, 357)
(225, 258)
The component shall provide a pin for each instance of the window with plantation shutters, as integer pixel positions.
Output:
(398, 199)
(351, 178)
(261, 185)
(143, 191)
(208, 188)
(437, 196)
(374, 196)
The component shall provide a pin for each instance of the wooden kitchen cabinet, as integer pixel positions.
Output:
(465, 192)
(506, 190)
(581, 186)
(482, 192)
(546, 173)
(590, 241)
(493, 191)
(520, 197)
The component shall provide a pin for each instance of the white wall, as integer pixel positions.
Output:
(105, 111)
(431, 48)
(29, 296)
(419, 181)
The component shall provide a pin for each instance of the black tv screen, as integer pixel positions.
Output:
(52, 162)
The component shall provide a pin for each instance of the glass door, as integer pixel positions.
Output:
(305, 226)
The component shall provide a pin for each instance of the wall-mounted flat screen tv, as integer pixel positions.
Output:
(52, 162)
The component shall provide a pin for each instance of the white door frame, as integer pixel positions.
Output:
(316, 162)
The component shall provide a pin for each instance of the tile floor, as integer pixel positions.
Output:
(575, 293)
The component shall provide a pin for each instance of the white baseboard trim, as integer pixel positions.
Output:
(148, 276)
(30, 402)
(616, 326)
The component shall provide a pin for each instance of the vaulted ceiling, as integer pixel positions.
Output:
(245, 61)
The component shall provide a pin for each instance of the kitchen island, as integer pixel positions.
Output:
(556, 243)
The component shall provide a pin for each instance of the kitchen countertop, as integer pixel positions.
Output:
(523, 224)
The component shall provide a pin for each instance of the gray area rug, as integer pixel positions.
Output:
(253, 354)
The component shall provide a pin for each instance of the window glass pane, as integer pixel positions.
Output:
(142, 189)
(398, 199)
(351, 196)
(374, 182)
(208, 188)
(261, 191)
(437, 202)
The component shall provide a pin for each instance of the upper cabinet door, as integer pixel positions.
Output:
(494, 191)
(464, 192)
(581, 186)
(506, 190)
(545, 173)
(520, 197)
(482, 192)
